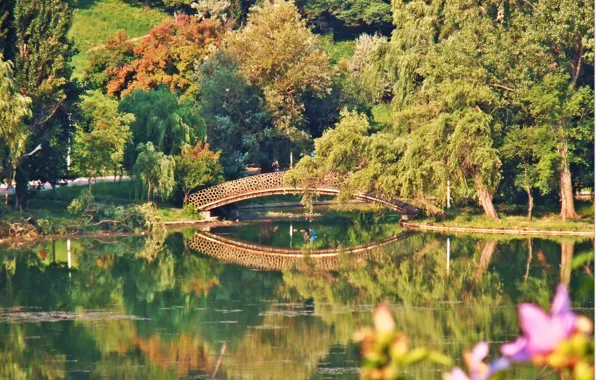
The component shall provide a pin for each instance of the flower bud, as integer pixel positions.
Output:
(584, 325)
(383, 319)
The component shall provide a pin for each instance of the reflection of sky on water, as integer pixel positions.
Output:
(114, 307)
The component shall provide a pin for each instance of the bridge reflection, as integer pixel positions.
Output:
(278, 259)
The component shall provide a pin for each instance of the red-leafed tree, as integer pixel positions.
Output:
(165, 57)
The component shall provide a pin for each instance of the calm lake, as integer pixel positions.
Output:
(267, 299)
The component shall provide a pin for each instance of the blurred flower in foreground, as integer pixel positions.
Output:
(386, 351)
(560, 339)
(479, 370)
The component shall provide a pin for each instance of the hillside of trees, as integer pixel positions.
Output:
(491, 101)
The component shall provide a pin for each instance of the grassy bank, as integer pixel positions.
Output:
(545, 219)
(48, 214)
(96, 20)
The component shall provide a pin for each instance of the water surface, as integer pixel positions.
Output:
(153, 307)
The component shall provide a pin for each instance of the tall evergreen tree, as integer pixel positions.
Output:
(35, 38)
(43, 54)
(14, 109)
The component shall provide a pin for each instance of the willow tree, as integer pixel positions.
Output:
(14, 109)
(154, 172)
(163, 120)
(444, 127)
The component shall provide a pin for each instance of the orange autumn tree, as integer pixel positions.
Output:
(165, 57)
(196, 167)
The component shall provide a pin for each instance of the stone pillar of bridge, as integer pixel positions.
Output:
(205, 215)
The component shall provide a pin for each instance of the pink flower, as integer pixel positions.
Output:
(479, 370)
(542, 332)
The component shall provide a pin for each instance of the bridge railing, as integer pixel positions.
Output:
(237, 187)
(257, 185)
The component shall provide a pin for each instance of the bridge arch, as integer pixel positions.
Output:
(264, 185)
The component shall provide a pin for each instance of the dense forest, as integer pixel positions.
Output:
(489, 100)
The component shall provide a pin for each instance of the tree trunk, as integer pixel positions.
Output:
(148, 192)
(566, 259)
(529, 259)
(485, 198)
(485, 256)
(8, 186)
(16, 199)
(429, 206)
(566, 188)
(186, 193)
(530, 202)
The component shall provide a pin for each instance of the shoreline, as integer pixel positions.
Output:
(206, 224)
(502, 231)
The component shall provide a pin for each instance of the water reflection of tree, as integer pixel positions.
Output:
(21, 360)
(470, 299)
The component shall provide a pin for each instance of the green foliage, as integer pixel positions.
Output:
(132, 218)
(354, 13)
(43, 53)
(163, 120)
(101, 136)
(277, 52)
(14, 109)
(366, 72)
(154, 173)
(80, 203)
(5, 27)
(239, 123)
(467, 95)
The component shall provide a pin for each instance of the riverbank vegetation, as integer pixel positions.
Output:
(482, 104)
(545, 219)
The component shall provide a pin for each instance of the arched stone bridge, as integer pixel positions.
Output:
(277, 259)
(268, 184)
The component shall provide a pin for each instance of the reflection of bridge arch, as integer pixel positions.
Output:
(264, 185)
(277, 259)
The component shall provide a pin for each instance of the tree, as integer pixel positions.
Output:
(339, 153)
(6, 8)
(197, 167)
(278, 53)
(444, 109)
(368, 14)
(239, 123)
(561, 95)
(104, 63)
(162, 119)
(521, 146)
(167, 57)
(36, 40)
(101, 135)
(154, 172)
(43, 53)
(366, 72)
(14, 109)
